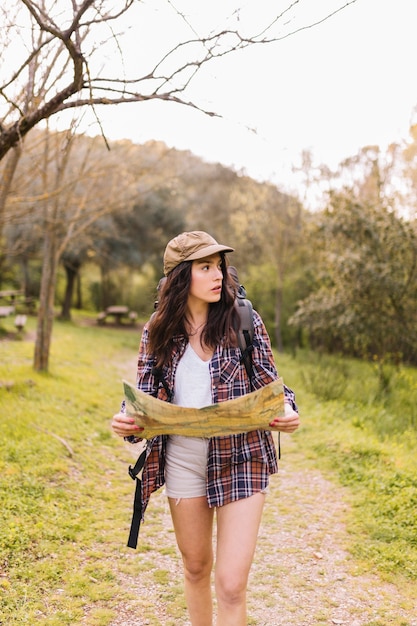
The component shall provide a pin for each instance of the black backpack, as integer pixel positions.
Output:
(246, 331)
(245, 339)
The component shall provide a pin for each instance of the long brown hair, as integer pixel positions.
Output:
(169, 319)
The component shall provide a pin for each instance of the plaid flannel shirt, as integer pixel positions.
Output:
(238, 465)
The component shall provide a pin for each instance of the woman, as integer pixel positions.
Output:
(191, 345)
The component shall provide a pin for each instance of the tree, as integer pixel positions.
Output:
(364, 303)
(72, 259)
(409, 173)
(55, 51)
(266, 224)
(135, 237)
(72, 187)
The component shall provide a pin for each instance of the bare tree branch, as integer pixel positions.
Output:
(62, 51)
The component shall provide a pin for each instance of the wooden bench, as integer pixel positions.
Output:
(133, 316)
(5, 311)
(101, 318)
(20, 322)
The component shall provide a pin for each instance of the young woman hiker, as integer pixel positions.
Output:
(191, 340)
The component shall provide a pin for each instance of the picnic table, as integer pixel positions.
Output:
(16, 297)
(119, 313)
(11, 294)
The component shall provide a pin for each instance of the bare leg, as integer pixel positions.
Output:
(193, 525)
(237, 532)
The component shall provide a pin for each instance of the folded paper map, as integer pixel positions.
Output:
(250, 412)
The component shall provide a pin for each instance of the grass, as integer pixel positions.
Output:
(61, 498)
(65, 497)
(367, 442)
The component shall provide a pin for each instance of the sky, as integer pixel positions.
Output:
(332, 89)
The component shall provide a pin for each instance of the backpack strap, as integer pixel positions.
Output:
(245, 339)
(137, 502)
(160, 380)
(245, 334)
(137, 468)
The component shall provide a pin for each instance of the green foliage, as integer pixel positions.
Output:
(328, 379)
(389, 409)
(364, 303)
(260, 281)
(126, 204)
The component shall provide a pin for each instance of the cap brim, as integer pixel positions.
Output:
(208, 251)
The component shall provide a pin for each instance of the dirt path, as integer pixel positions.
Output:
(307, 548)
(302, 574)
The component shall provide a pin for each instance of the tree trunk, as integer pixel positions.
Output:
(79, 302)
(26, 284)
(46, 303)
(72, 272)
(6, 180)
(5, 184)
(104, 296)
(278, 318)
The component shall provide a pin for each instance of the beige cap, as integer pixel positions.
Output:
(190, 247)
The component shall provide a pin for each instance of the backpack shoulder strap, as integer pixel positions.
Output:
(245, 338)
(245, 333)
(135, 470)
(137, 502)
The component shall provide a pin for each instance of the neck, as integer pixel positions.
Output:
(195, 321)
(196, 313)
(193, 330)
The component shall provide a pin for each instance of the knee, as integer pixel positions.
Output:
(196, 570)
(230, 590)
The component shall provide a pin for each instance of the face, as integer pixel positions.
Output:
(206, 279)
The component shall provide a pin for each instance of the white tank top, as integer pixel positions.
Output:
(192, 387)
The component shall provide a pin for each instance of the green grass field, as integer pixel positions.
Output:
(65, 496)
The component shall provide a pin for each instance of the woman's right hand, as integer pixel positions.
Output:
(287, 423)
(124, 426)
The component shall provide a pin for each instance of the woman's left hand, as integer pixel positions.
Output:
(288, 423)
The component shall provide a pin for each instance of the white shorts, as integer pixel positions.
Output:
(186, 467)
